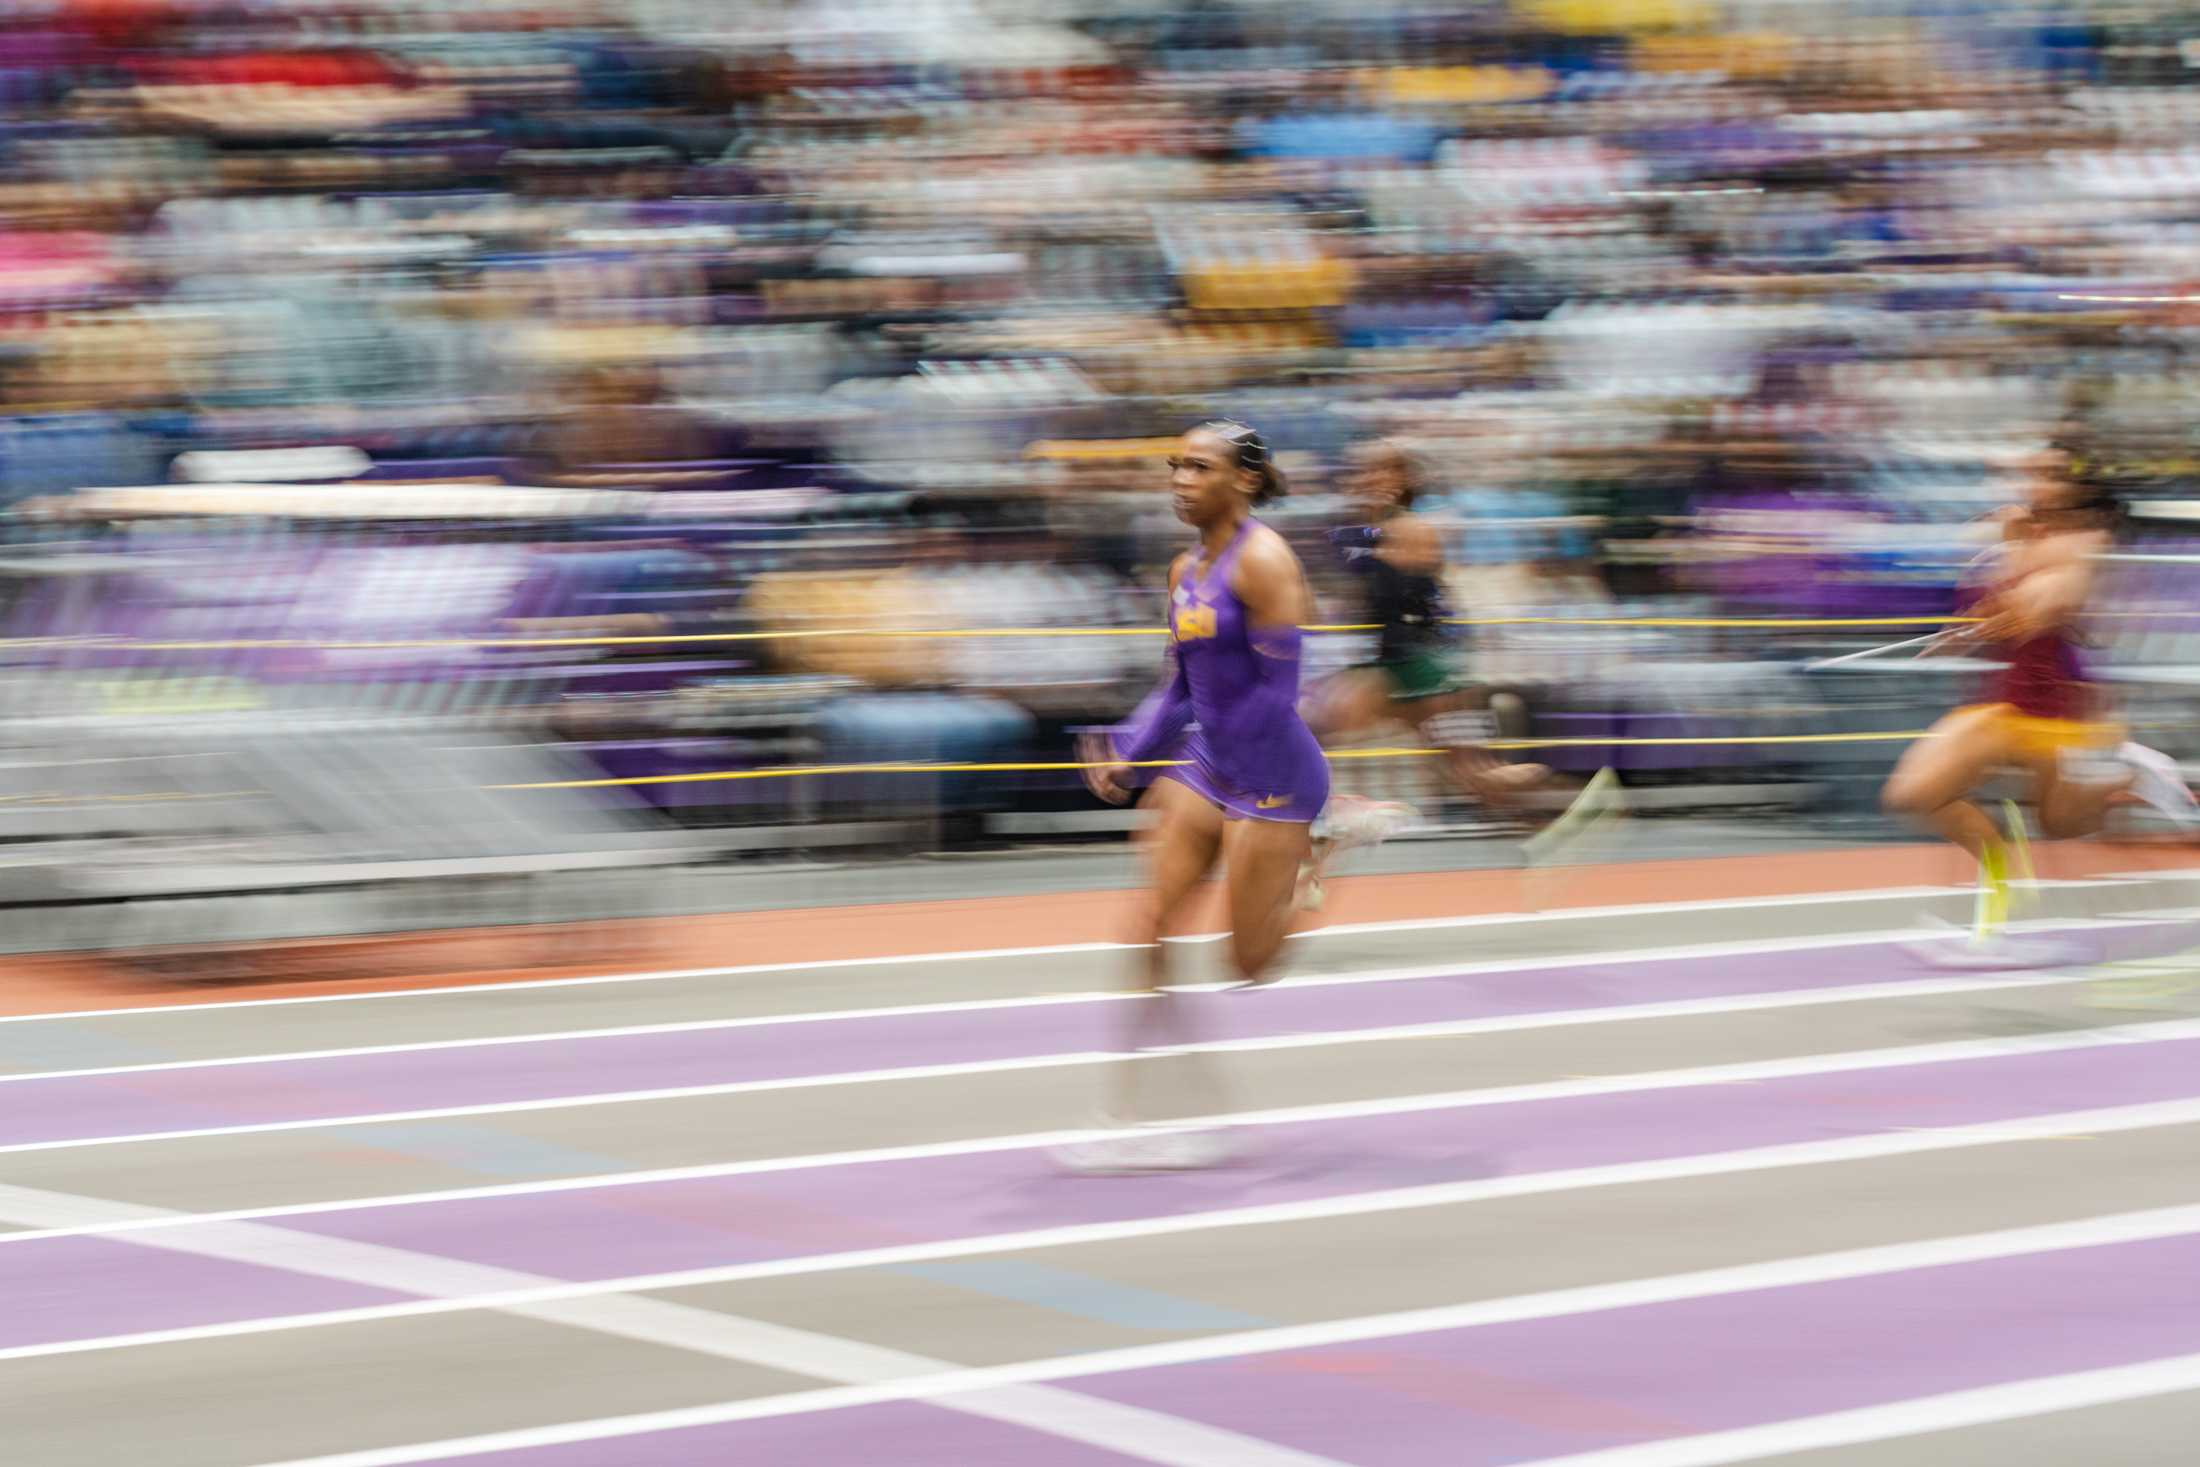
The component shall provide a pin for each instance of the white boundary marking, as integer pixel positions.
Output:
(950, 1387)
(1442, 1029)
(1134, 1431)
(2014, 1400)
(19, 1204)
(1679, 952)
(1343, 929)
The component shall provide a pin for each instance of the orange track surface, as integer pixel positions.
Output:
(55, 983)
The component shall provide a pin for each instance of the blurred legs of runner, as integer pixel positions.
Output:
(1933, 783)
(2073, 781)
(1163, 1080)
(1357, 702)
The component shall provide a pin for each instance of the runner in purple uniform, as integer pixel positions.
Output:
(1252, 779)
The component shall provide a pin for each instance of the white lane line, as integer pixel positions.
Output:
(1133, 1431)
(622, 1031)
(570, 1102)
(1451, 1029)
(657, 975)
(1621, 1083)
(1621, 957)
(973, 955)
(949, 1387)
(1872, 1147)
(2015, 1400)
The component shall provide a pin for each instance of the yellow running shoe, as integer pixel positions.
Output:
(2024, 892)
(1992, 912)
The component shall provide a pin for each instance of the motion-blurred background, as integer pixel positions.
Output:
(699, 352)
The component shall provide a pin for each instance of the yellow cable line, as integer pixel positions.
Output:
(794, 771)
(272, 644)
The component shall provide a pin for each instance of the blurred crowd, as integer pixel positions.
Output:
(832, 314)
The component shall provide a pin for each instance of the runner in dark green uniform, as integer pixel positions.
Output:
(1415, 677)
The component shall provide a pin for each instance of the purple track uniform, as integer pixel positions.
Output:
(1251, 754)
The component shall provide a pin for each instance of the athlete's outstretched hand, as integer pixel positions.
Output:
(1105, 775)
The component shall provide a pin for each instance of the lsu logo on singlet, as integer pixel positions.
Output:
(1194, 623)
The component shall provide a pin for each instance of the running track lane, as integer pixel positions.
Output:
(37, 1111)
(1539, 1388)
(1533, 1389)
(88, 1287)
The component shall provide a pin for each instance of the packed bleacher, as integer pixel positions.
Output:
(834, 320)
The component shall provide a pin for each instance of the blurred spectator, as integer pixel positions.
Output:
(615, 427)
(1747, 303)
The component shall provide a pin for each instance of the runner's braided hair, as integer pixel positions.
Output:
(1252, 453)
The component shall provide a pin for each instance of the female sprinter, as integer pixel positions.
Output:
(1414, 678)
(2042, 716)
(1252, 777)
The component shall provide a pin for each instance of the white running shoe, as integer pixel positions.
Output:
(1147, 1149)
(2155, 779)
(1349, 822)
(1601, 801)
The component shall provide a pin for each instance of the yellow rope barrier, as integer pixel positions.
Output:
(423, 644)
(794, 771)
(797, 771)
(1801, 624)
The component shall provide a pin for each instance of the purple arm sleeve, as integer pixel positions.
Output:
(1276, 657)
(1262, 750)
(1158, 722)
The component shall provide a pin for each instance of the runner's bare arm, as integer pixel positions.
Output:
(1412, 544)
(1271, 584)
(2052, 595)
